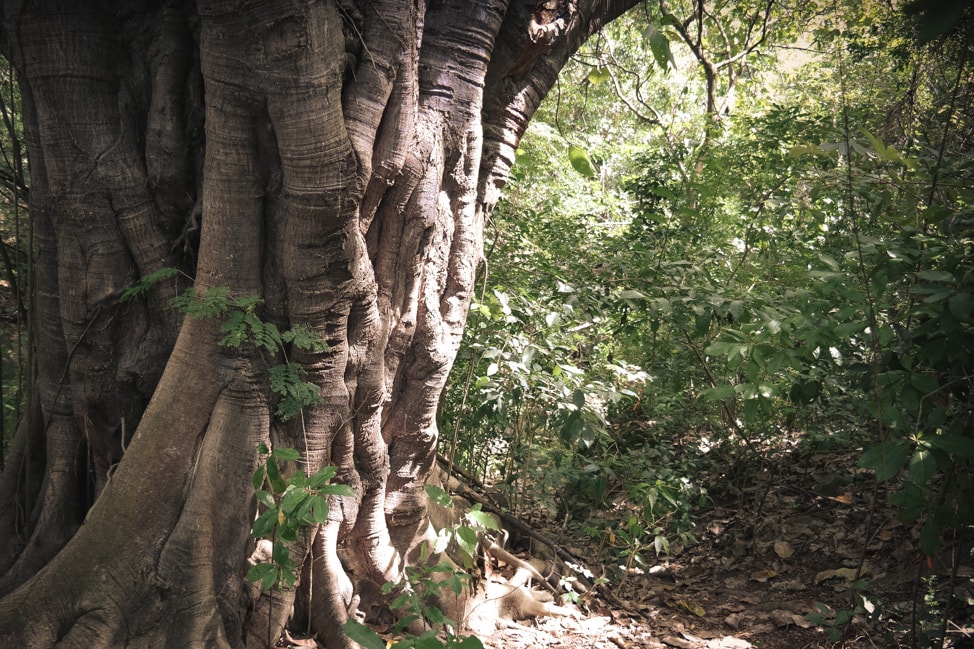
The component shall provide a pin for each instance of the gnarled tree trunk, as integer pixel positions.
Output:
(336, 159)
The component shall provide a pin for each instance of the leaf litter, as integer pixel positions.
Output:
(763, 569)
(776, 565)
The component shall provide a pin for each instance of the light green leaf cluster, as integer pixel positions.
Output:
(289, 503)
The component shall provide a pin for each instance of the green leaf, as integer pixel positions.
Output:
(719, 393)
(467, 540)
(581, 161)
(470, 642)
(439, 496)
(960, 305)
(278, 485)
(427, 641)
(323, 475)
(286, 454)
(578, 399)
(287, 532)
(799, 150)
(319, 510)
(267, 335)
(962, 447)
(936, 276)
(482, 519)
(886, 458)
(265, 499)
(572, 428)
(660, 46)
(925, 383)
(265, 573)
(265, 524)
(923, 466)
(337, 490)
(912, 501)
(147, 282)
(234, 331)
(248, 302)
(363, 635)
(280, 554)
(288, 576)
(728, 349)
(453, 583)
(598, 75)
(435, 617)
(294, 500)
(303, 337)
(209, 303)
(631, 294)
(258, 480)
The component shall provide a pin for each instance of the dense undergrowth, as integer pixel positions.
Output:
(797, 268)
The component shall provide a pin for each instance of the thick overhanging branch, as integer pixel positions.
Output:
(523, 69)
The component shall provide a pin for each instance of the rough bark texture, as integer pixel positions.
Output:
(335, 159)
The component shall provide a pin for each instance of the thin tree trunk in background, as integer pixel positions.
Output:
(351, 153)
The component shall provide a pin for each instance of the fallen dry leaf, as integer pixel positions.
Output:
(689, 606)
(782, 618)
(299, 642)
(729, 642)
(822, 575)
(783, 549)
(763, 576)
(673, 641)
(849, 574)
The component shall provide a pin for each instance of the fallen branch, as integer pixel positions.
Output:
(516, 524)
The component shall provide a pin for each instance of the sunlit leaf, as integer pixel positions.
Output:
(286, 454)
(581, 161)
(923, 465)
(482, 519)
(363, 635)
(439, 496)
(337, 490)
(323, 475)
(659, 44)
(598, 75)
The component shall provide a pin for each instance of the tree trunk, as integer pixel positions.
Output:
(334, 159)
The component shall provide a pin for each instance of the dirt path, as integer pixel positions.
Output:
(820, 540)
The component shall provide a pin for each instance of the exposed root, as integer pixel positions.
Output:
(505, 601)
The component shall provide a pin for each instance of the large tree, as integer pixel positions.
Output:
(335, 159)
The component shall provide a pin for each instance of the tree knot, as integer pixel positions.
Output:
(550, 19)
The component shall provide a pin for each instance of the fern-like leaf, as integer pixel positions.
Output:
(147, 282)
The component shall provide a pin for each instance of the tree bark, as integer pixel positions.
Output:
(335, 159)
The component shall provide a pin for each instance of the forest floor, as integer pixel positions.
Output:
(792, 543)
